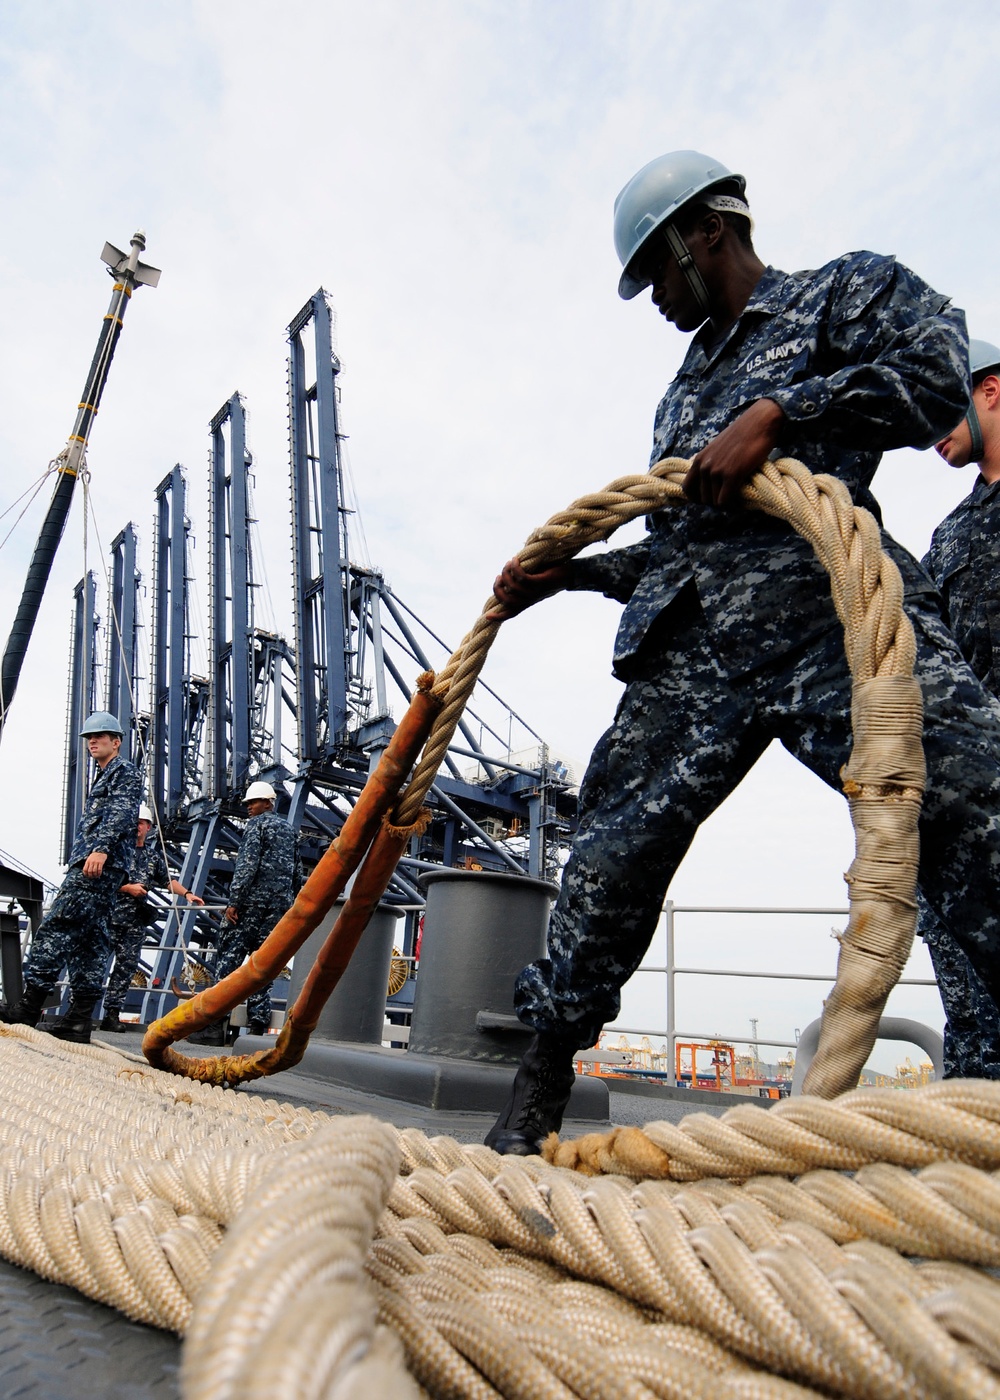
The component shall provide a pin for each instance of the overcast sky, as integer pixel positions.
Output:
(447, 170)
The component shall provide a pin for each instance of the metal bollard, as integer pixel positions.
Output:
(480, 929)
(356, 1009)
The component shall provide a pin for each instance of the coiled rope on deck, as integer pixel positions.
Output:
(883, 780)
(314, 1258)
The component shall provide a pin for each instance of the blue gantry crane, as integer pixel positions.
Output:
(313, 716)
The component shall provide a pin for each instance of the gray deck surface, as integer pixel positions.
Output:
(57, 1345)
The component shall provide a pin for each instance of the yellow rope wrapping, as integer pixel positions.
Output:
(311, 1257)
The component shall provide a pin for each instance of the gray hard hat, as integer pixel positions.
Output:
(982, 355)
(102, 722)
(653, 196)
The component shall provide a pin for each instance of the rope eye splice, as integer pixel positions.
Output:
(366, 826)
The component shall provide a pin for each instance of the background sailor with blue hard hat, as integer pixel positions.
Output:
(75, 932)
(964, 560)
(977, 438)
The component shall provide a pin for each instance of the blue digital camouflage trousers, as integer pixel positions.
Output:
(74, 934)
(686, 733)
(127, 937)
(238, 941)
(972, 1024)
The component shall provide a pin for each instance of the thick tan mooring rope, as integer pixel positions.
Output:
(884, 778)
(314, 1258)
(309, 1257)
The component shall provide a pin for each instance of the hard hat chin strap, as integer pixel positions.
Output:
(976, 434)
(687, 265)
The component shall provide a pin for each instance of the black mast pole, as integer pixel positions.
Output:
(128, 272)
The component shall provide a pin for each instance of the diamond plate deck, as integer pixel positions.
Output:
(57, 1345)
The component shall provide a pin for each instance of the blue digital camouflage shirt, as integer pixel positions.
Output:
(964, 561)
(110, 816)
(267, 867)
(149, 869)
(862, 356)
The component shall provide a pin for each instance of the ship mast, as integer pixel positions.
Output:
(128, 273)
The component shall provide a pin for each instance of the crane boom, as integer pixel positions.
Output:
(128, 273)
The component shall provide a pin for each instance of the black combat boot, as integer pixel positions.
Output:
(257, 1028)
(111, 1021)
(538, 1099)
(77, 1023)
(212, 1034)
(29, 1009)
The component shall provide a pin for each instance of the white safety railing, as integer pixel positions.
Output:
(671, 970)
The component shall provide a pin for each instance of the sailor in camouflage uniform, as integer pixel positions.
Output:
(267, 878)
(74, 933)
(729, 638)
(133, 915)
(964, 560)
